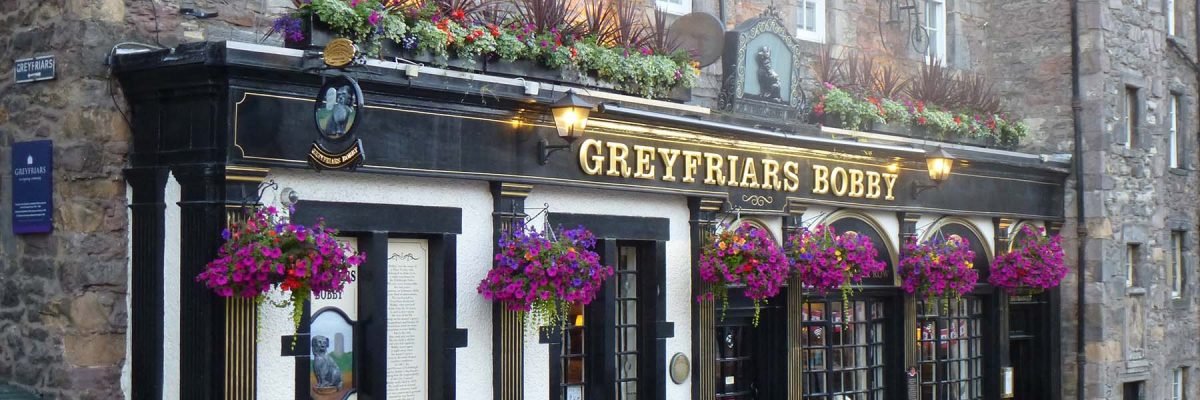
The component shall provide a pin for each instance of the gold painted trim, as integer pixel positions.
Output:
(236, 178)
(943, 221)
(514, 194)
(1015, 229)
(892, 250)
(249, 169)
(716, 143)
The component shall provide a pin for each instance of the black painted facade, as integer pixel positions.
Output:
(210, 112)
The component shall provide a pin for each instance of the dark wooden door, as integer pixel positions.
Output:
(749, 357)
(1029, 351)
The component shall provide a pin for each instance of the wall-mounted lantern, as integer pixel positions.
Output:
(940, 165)
(570, 118)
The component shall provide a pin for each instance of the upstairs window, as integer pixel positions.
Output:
(1131, 256)
(935, 27)
(1169, 9)
(1175, 270)
(1131, 116)
(1175, 123)
(1178, 377)
(675, 7)
(810, 21)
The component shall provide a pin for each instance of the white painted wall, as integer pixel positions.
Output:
(678, 272)
(474, 366)
(126, 366)
(172, 219)
(171, 282)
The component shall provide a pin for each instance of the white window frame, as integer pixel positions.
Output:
(1169, 9)
(1178, 376)
(935, 27)
(1131, 251)
(1175, 274)
(1174, 138)
(673, 8)
(1131, 115)
(818, 32)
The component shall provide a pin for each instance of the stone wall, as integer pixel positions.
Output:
(1134, 197)
(63, 296)
(1023, 46)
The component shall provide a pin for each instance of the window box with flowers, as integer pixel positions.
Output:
(269, 251)
(544, 275)
(933, 103)
(614, 47)
(1034, 265)
(747, 258)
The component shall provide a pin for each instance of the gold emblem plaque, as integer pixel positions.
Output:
(339, 52)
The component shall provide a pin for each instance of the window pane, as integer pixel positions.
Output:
(1131, 116)
(843, 353)
(626, 327)
(1176, 156)
(950, 343)
(810, 16)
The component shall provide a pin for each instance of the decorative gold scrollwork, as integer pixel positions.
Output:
(757, 200)
(340, 52)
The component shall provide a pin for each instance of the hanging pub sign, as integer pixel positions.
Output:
(34, 69)
(337, 113)
(32, 175)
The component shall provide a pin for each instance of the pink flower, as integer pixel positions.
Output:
(354, 3)
(373, 19)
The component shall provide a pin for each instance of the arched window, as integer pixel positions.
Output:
(843, 342)
(950, 333)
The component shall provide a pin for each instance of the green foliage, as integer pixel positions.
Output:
(424, 27)
(855, 112)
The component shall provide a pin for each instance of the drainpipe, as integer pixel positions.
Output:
(1080, 225)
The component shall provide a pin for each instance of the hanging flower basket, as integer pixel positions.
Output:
(267, 250)
(1034, 265)
(543, 275)
(828, 261)
(745, 256)
(938, 268)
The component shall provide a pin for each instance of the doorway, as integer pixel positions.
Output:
(749, 358)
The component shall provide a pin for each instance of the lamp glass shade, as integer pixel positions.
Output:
(940, 165)
(570, 116)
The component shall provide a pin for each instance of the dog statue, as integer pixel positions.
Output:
(329, 375)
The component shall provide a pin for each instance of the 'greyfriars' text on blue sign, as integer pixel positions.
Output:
(34, 69)
(33, 183)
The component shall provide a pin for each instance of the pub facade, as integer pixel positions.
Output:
(421, 167)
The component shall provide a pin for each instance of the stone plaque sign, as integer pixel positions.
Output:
(34, 69)
(408, 319)
(331, 370)
(33, 182)
(761, 60)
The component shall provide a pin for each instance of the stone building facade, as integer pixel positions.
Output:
(1139, 202)
(63, 297)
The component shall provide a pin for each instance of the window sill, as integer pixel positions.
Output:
(1135, 291)
(1179, 171)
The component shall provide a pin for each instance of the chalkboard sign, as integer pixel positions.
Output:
(914, 384)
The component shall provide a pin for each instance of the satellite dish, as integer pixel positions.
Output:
(699, 33)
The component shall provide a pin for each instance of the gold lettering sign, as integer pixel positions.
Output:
(323, 159)
(600, 158)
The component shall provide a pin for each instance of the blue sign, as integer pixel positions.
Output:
(34, 69)
(33, 179)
